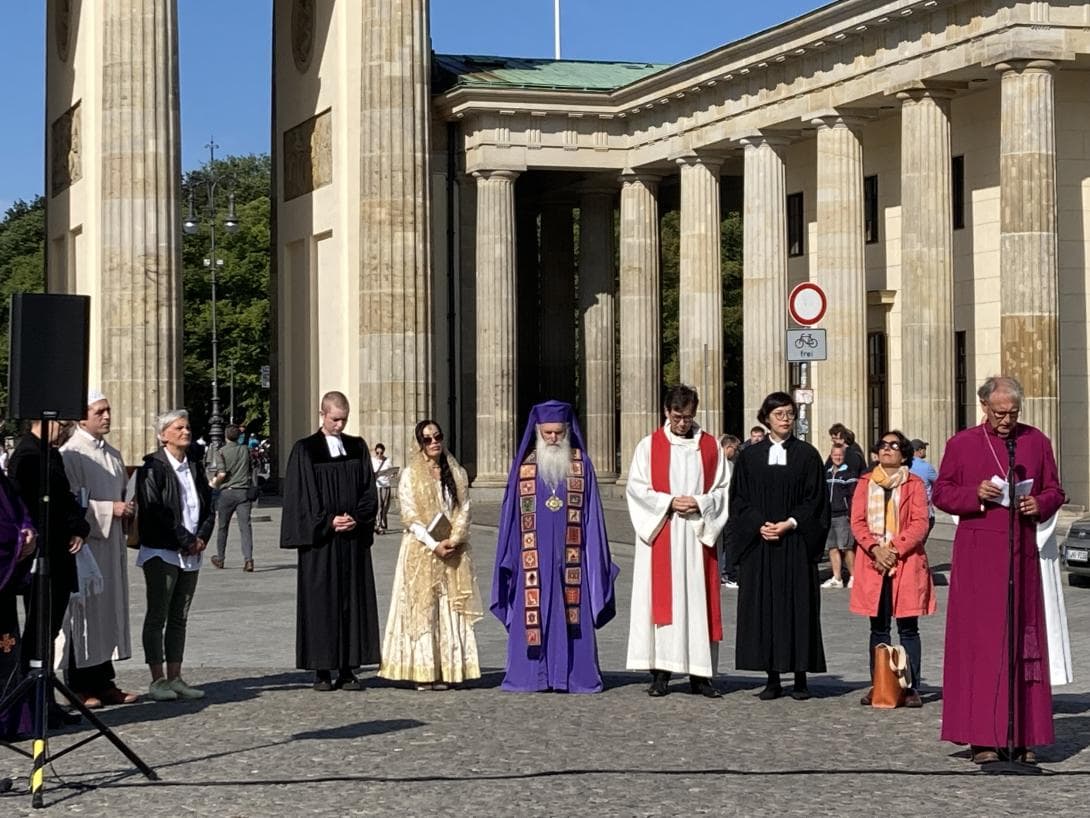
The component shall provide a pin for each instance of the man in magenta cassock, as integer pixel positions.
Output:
(974, 709)
(553, 581)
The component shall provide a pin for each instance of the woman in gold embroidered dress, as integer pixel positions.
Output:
(435, 603)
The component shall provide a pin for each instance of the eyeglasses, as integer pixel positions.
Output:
(1013, 413)
(679, 418)
(781, 414)
(436, 438)
(889, 444)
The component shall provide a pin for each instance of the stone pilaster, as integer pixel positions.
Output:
(141, 244)
(840, 383)
(927, 273)
(395, 276)
(764, 272)
(557, 341)
(700, 291)
(640, 310)
(496, 325)
(1028, 239)
(597, 311)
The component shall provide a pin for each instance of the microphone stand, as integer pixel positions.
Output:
(1009, 765)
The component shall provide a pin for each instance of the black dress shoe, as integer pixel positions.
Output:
(770, 692)
(865, 701)
(322, 682)
(349, 683)
(800, 694)
(700, 686)
(660, 683)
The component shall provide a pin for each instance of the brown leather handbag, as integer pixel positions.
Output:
(890, 679)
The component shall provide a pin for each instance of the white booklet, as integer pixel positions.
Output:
(1021, 489)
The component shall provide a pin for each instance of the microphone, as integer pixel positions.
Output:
(1010, 450)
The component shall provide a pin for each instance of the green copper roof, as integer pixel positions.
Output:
(467, 71)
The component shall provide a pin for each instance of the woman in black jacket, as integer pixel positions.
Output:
(175, 520)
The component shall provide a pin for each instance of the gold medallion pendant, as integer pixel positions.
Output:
(554, 503)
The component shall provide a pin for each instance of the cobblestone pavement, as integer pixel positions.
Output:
(262, 743)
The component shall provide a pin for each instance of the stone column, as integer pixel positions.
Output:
(641, 332)
(700, 290)
(1028, 239)
(557, 301)
(597, 311)
(927, 272)
(764, 272)
(141, 243)
(496, 325)
(395, 276)
(840, 383)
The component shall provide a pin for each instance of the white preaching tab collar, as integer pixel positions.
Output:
(777, 454)
(336, 447)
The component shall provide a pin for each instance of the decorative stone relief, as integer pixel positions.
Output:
(62, 28)
(66, 166)
(308, 155)
(302, 33)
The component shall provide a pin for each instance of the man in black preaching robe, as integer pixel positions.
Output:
(779, 512)
(329, 516)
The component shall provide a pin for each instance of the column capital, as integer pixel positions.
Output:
(774, 139)
(487, 174)
(926, 89)
(712, 162)
(851, 118)
(630, 176)
(1033, 66)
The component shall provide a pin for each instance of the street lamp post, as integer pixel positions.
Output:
(213, 263)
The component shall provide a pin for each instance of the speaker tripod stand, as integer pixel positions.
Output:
(41, 679)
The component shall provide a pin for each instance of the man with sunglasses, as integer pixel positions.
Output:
(329, 517)
(972, 484)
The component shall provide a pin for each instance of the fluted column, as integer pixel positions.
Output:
(496, 325)
(841, 382)
(395, 277)
(700, 290)
(597, 311)
(640, 312)
(1028, 239)
(764, 272)
(557, 341)
(141, 246)
(927, 271)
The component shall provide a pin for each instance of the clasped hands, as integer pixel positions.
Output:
(684, 504)
(343, 523)
(773, 531)
(885, 557)
(445, 548)
(989, 492)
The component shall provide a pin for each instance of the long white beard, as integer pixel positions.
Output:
(553, 462)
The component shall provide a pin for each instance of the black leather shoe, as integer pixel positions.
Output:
(349, 683)
(700, 686)
(800, 694)
(660, 683)
(770, 692)
(865, 701)
(322, 682)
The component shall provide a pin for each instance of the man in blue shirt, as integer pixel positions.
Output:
(926, 472)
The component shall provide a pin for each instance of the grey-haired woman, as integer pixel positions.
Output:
(174, 520)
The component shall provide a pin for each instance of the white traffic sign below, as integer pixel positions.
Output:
(807, 304)
(804, 345)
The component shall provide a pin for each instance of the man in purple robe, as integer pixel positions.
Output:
(553, 580)
(971, 485)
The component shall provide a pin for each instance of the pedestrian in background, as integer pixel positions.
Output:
(728, 571)
(926, 472)
(234, 479)
(841, 477)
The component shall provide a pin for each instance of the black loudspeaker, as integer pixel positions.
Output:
(47, 368)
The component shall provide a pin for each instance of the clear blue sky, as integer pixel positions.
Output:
(224, 48)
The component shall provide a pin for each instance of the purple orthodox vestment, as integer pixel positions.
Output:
(553, 581)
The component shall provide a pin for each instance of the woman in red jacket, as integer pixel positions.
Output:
(892, 577)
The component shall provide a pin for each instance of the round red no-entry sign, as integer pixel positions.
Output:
(807, 304)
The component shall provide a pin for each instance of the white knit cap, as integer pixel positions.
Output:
(94, 396)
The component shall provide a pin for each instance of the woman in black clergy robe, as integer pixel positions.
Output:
(328, 480)
(779, 510)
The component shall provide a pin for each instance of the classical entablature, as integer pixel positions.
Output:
(853, 54)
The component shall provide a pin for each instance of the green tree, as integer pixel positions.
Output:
(242, 293)
(22, 268)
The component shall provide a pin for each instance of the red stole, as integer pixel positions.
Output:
(662, 602)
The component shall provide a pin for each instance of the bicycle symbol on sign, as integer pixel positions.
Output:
(806, 339)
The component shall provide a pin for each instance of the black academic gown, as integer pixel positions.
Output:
(337, 615)
(779, 604)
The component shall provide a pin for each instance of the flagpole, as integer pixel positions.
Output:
(556, 29)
